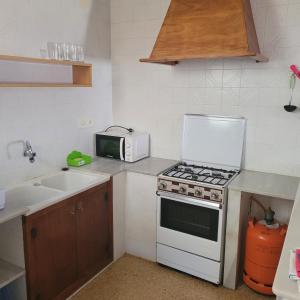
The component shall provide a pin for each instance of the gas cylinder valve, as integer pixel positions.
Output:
(269, 216)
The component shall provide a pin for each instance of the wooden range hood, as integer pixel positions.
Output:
(206, 29)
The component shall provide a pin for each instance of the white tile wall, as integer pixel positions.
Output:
(49, 117)
(154, 97)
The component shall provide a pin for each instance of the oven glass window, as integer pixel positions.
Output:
(108, 146)
(191, 219)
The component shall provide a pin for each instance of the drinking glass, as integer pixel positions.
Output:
(52, 50)
(72, 52)
(79, 53)
(61, 51)
(64, 51)
(68, 54)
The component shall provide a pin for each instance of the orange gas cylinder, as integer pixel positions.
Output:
(263, 248)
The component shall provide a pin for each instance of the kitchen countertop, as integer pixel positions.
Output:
(283, 286)
(149, 166)
(267, 184)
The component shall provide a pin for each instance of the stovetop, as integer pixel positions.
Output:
(200, 174)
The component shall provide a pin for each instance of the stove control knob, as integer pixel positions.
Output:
(214, 196)
(182, 189)
(162, 185)
(198, 193)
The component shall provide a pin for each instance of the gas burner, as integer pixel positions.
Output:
(217, 174)
(205, 174)
(184, 168)
(194, 177)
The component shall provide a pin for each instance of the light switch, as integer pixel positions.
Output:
(85, 123)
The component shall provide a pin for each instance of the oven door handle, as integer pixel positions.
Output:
(188, 200)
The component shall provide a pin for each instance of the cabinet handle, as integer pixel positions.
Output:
(34, 232)
(106, 196)
(72, 212)
(79, 206)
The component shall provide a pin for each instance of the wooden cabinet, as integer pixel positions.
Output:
(94, 244)
(68, 243)
(50, 240)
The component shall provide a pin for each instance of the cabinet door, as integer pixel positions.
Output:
(50, 250)
(94, 230)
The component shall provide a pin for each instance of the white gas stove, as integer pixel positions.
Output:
(197, 181)
(192, 196)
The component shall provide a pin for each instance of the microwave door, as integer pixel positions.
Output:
(110, 146)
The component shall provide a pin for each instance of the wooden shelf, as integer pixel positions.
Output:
(9, 273)
(42, 60)
(41, 84)
(81, 72)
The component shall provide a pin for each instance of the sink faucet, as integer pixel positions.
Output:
(27, 149)
(28, 152)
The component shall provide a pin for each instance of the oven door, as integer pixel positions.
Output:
(110, 146)
(190, 225)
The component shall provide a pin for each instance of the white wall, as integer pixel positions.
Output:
(119, 222)
(140, 215)
(154, 97)
(49, 117)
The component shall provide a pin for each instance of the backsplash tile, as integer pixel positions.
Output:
(48, 117)
(236, 87)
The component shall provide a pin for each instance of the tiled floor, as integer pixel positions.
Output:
(132, 278)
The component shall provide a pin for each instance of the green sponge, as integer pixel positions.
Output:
(77, 159)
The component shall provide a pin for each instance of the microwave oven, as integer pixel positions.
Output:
(129, 146)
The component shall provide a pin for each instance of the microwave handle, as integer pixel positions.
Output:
(122, 141)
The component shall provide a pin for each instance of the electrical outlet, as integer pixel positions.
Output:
(90, 123)
(85, 123)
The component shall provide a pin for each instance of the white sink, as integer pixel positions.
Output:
(71, 181)
(29, 195)
(41, 192)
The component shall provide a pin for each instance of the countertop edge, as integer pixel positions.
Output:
(246, 190)
(152, 166)
(267, 184)
(17, 213)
